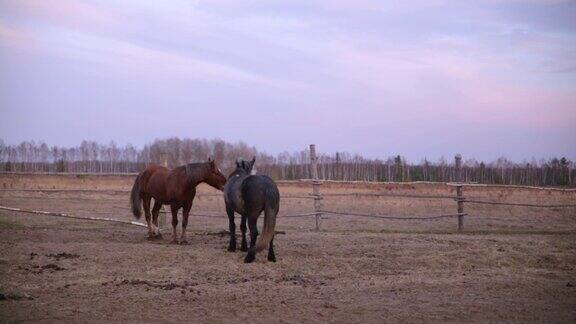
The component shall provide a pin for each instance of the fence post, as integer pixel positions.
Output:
(315, 185)
(459, 196)
(458, 167)
(460, 202)
(162, 215)
(164, 159)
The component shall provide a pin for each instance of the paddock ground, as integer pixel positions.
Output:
(510, 264)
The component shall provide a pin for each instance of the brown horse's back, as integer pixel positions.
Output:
(154, 182)
(166, 186)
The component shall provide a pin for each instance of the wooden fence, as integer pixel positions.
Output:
(459, 198)
(319, 211)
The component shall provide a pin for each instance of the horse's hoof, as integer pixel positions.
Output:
(158, 235)
(272, 258)
(244, 248)
(249, 258)
(183, 242)
(150, 237)
(231, 249)
(174, 242)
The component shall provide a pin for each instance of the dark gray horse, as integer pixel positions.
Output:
(249, 195)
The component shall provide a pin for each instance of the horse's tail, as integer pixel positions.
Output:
(135, 201)
(270, 211)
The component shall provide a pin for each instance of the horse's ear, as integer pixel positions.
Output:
(238, 162)
(210, 159)
(253, 160)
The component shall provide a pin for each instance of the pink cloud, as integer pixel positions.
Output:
(71, 13)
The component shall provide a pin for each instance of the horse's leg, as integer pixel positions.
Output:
(155, 212)
(174, 210)
(146, 205)
(252, 221)
(185, 212)
(271, 255)
(243, 245)
(231, 229)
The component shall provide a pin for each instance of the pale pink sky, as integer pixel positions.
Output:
(420, 78)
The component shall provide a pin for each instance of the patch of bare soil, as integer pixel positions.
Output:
(55, 270)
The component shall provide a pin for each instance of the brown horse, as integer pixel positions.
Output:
(176, 188)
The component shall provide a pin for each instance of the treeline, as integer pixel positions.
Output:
(554, 172)
(92, 157)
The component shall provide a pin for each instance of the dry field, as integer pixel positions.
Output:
(510, 264)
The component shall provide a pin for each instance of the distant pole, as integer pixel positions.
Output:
(459, 196)
(162, 216)
(315, 185)
(458, 167)
(460, 202)
(164, 159)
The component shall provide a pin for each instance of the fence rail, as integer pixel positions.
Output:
(367, 194)
(517, 204)
(65, 215)
(123, 191)
(392, 217)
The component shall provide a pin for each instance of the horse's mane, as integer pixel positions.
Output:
(191, 167)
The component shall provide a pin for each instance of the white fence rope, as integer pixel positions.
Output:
(40, 212)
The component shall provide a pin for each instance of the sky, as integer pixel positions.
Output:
(485, 78)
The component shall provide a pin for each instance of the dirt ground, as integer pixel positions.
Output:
(510, 264)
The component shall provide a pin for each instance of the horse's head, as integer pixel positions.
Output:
(214, 176)
(244, 165)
